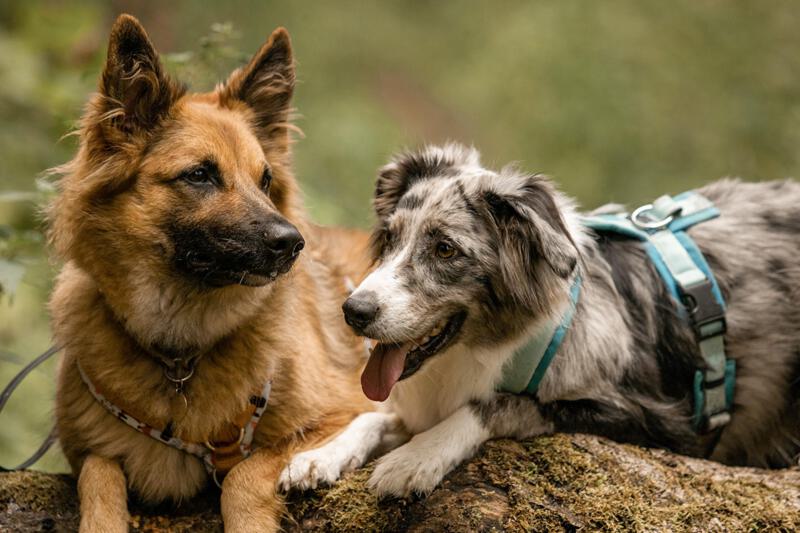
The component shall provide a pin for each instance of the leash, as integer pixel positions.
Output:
(218, 456)
(6, 394)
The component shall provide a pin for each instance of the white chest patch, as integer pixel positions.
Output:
(445, 383)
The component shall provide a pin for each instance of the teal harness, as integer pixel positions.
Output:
(661, 227)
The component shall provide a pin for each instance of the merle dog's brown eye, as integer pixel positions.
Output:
(445, 251)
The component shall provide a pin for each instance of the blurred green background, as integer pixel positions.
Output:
(619, 101)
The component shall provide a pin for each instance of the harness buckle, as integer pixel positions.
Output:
(704, 309)
(711, 422)
(642, 218)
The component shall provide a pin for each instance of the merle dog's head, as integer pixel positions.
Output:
(463, 255)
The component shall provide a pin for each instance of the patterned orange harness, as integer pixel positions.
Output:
(219, 453)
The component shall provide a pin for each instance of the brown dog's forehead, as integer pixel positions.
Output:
(200, 131)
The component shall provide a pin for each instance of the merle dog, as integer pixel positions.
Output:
(471, 261)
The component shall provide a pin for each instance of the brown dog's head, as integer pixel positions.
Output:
(173, 193)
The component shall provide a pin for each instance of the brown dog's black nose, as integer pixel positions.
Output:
(284, 241)
(360, 312)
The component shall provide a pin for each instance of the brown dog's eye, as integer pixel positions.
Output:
(205, 174)
(198, 175)
(445, 250)
(266, 180)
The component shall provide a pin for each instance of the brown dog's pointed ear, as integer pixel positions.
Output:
(137, 92)
(266, 85)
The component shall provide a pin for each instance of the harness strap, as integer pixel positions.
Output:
(661, 227)
(529, 364)
(219, 453)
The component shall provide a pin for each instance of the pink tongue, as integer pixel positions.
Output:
(383, 370)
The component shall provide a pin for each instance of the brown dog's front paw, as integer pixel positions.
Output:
(103, 495)
(104, 524)
(249, 501)
(246, 515)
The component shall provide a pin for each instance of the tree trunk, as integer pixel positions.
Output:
(564, 482)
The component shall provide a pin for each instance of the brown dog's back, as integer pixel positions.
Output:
(347, 250)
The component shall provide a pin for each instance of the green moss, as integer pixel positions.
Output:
(557, 484)
(31, 491)
(347, 506)
(554, 484)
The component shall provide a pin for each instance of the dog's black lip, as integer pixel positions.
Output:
(416, 357)
(210, 275)
(220, 279)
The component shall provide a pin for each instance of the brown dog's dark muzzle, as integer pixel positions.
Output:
(252, 253)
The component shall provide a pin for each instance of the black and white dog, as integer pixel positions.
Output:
(470, 262)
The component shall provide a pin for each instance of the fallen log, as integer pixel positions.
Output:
(558, 483)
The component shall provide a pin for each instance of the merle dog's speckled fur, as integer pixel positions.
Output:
(626, 365)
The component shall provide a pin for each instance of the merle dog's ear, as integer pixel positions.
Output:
(266, 85)
(531, 227)
(408, 168)
(136, 92)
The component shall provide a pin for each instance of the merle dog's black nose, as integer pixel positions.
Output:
(284, 241)
(360, 312)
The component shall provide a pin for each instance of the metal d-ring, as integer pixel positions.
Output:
(653, 224)
(179, 380)
(238, 441)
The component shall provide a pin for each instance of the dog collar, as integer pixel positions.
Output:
(219, 452)
(525, 371)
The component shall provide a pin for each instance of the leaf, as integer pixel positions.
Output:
(178, 58)
(10, 276)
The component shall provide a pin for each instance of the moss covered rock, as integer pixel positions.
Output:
(558, 483)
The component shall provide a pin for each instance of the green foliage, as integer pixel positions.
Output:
(19, 246)
(216, 56)
(10, 274)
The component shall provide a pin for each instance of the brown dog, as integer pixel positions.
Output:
(184, 292)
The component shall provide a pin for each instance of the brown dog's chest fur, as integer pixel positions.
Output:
(295, 339)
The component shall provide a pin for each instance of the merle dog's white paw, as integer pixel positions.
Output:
(322, 466)
(309, 470)
(348, 451)
(406, 470)
(421, 464)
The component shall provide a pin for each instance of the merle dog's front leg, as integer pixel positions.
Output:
(421, 464)
(367, 435)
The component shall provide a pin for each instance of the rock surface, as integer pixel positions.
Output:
(559, 483)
